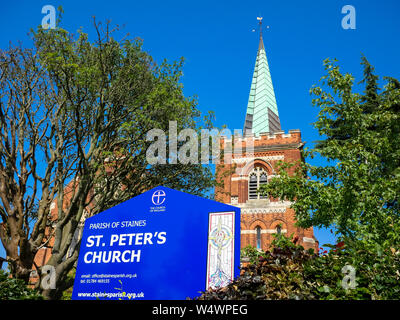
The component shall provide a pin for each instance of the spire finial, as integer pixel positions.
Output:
(261, 45)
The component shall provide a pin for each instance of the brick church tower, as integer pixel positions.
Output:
(262, 216)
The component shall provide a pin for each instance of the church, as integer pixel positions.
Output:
(262, 216)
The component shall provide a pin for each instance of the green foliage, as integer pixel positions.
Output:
(119, 94)
(376, 273)
(357, 192)
(274, 274)
(281, 241)
(288, 271)
(82, 107)
(15, 289)
(251, 254)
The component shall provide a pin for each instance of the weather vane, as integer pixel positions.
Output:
(260, 25)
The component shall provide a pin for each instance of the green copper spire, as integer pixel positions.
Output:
(262, 111)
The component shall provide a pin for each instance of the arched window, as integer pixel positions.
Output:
(253, 186)
(263, 180)
(278, 229)
(258, 238)
(258, 177)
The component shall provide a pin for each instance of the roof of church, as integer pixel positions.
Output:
(262, 110)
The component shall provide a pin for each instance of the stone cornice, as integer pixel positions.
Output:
(262, 210)
(265, 158)
(276, 147)
(271, 207)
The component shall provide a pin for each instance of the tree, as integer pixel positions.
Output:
(358, 191)
(73, 121)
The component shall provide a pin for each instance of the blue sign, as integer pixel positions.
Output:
(163, 244)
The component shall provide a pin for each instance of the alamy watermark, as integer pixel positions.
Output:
(190, 147)
(49, 20)
(48, 277)
(349, 280)
(349, 20)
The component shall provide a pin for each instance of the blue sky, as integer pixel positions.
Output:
(219, 47)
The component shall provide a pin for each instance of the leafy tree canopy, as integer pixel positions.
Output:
(358, 190)
(74, 118)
